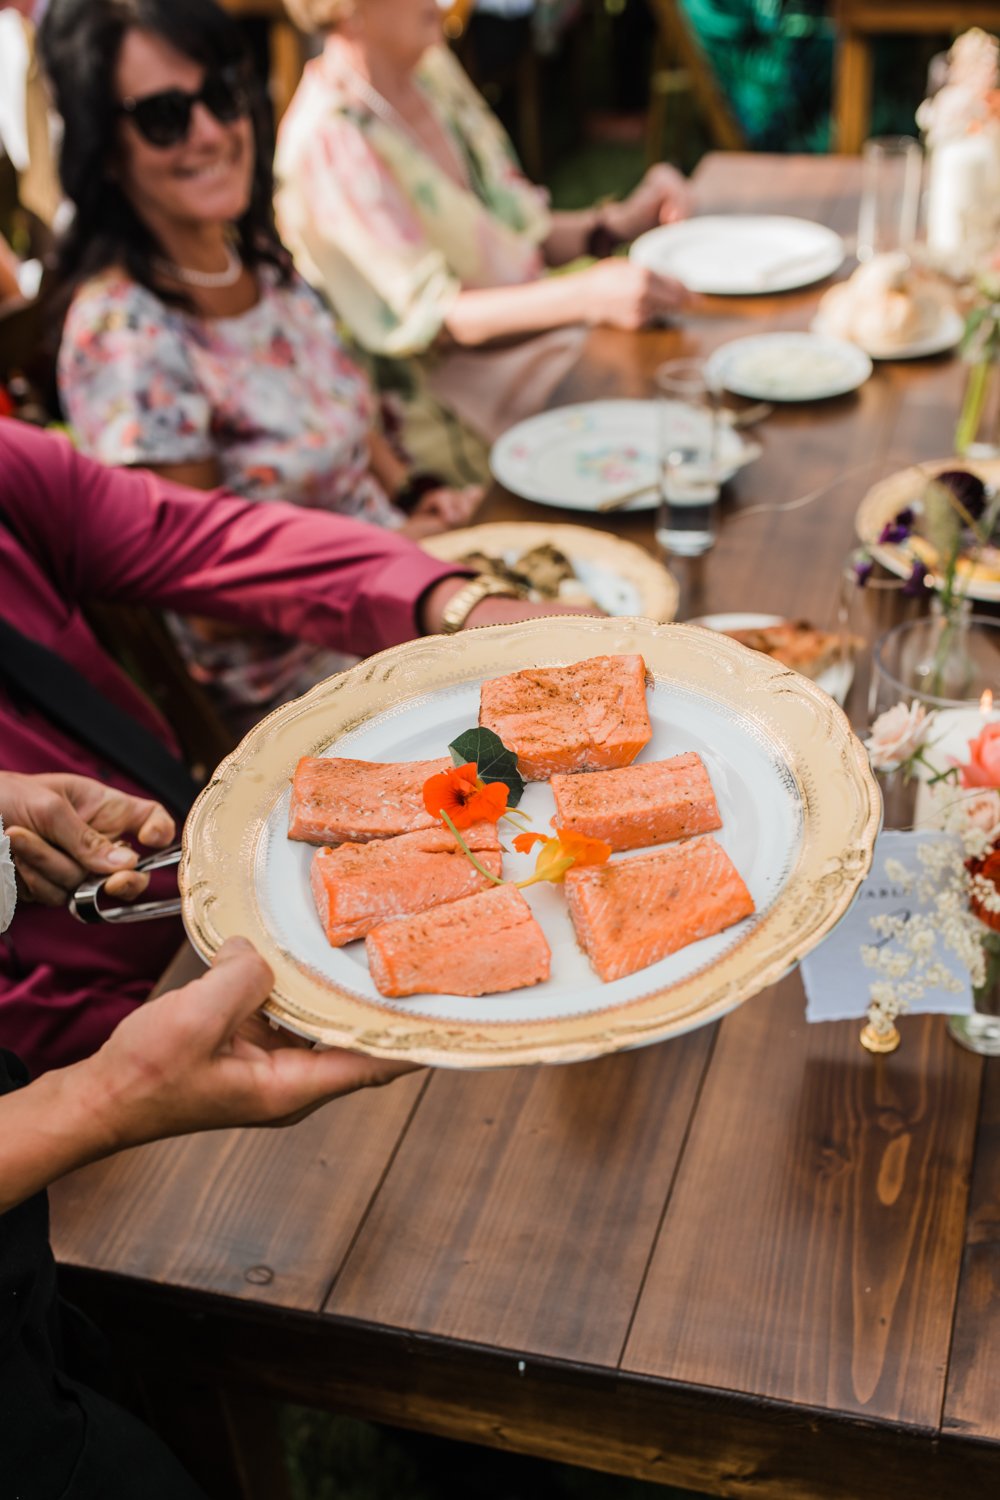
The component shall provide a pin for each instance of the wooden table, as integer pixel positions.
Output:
(753, 1261)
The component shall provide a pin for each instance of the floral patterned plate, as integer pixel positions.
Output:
(581, 457)
(799, 804)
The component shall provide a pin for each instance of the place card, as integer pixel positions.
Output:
(836, 979)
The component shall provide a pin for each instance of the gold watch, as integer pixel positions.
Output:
(460, 605)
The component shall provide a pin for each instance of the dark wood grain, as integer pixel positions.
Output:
(697, 1437)
(522, 1211)
(257, 1214)
(972, 1406)
(811, 1249)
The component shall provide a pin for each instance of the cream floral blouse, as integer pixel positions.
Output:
(270, 395)
(391, 238)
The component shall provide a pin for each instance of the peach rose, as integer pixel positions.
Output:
(897, 735)
(983, 766)
(982, 811)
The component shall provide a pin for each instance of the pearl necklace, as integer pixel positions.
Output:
(206, 279)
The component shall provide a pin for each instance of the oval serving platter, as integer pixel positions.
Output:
(800, 812)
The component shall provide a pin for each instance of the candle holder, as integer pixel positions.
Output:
(945, 662)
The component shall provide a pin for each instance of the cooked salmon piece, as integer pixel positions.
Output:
(337, 801)
(635, 911)
(586, 717)
(357, 886)
(477, 946)
(638, 805)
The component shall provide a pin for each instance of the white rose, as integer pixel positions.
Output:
(982, 812)
(8, 888)
(897, 735)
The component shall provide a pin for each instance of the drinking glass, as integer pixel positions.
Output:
(690, 479)
(891, 170)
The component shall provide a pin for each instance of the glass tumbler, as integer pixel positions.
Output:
(690, 470)
(891, 173)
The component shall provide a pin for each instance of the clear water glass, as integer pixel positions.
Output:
(891, 174)
(690, 471)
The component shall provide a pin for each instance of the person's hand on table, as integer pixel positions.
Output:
(441, 510)
(664, 196)
(63, 828)
(620, 294)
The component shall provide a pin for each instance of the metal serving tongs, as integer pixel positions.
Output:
(84, 904)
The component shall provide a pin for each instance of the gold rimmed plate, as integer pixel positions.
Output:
(617, 575)
(903, 490)
(800, 813)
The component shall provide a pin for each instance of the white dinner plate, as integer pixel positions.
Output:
(740, 254)
(946, 335)
(788, 367)
(618, 576)
(799, 805)
(836, 680)
(576, 457)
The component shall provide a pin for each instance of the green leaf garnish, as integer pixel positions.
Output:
(492, 759)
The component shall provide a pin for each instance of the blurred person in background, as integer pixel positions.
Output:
(191, 346)
(401, 199)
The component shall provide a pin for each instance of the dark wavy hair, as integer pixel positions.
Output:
(78, 43)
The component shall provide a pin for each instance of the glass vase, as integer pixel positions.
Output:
(978, 432)
(980, 1031)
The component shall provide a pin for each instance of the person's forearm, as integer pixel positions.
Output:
(568, 236)
(387, 468)
(476, 317)
(47, 1129)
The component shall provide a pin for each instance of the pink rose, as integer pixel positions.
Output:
(983, 767)
(982, 811)
(897, 735)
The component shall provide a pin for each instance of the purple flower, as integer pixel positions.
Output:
(862, 570)
(898, 529)
(968, 489)
(917, 582)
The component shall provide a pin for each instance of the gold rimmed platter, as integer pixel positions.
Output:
(616, 575)
(800, 813)
(902, 490)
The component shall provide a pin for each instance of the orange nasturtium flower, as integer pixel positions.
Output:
(465, 799)
(560, 853)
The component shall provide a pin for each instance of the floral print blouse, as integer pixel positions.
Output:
(390, 237)
(270, 395)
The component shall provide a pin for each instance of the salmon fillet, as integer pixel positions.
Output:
(634, 912)
(477, 946)
(336, 800)
(638, 805)
(357, 886)
(586, 717)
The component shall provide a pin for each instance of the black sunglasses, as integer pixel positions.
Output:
(165, 119)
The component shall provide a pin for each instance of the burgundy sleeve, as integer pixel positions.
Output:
(126, 536)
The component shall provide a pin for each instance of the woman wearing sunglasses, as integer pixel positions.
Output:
(401, 199)
(191, 346)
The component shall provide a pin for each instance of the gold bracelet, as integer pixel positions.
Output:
(460, 605)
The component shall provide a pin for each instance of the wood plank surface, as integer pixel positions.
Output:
(263, 1215)
(522, 1208)
(811, 1249)
(972, 1407)
(696, 1437)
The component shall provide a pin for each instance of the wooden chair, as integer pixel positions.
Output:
(680, 68)
(859, 22)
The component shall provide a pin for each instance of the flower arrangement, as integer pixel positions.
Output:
(485, 786)
(958, 879)
(969, 100)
